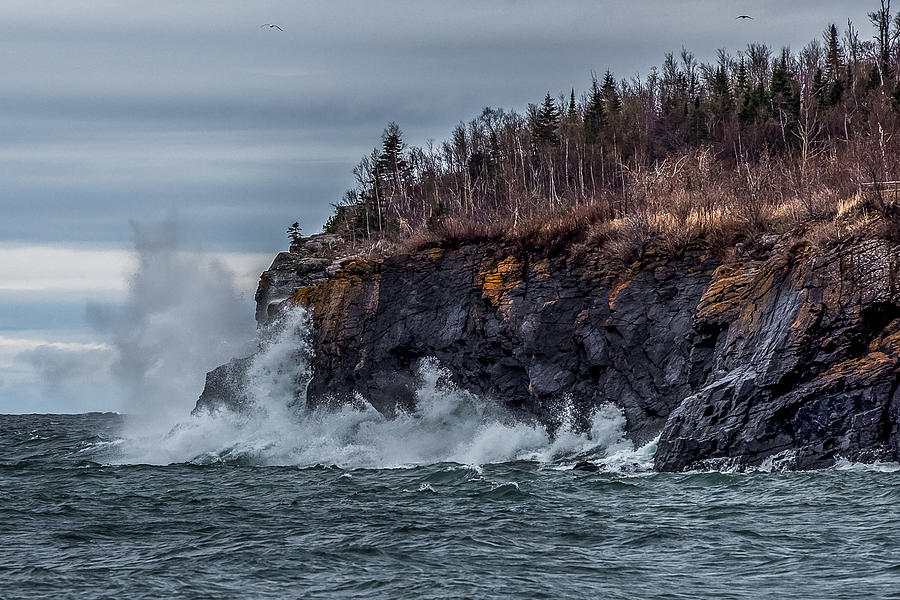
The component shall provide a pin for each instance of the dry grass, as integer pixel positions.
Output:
(454, 232)
(694, 204)
(665, 230)
(556, 232)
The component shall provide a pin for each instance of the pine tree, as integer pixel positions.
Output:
(612, 101)
(784, 91)
(594, 117)
(834, 56)
(832, 84)
(573, 110)
(392, 161)
(741, 83)
(546, 122)
(722, 99)
(820, 89)
(755, 101)
(294, 232)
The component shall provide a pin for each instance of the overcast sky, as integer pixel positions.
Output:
(116, 110)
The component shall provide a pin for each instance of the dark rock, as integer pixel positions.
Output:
(807, 364)
(789, 352)
(586, 466)
(224, 387)
(313, 246)
(307, 264)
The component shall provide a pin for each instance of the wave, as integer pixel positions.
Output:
(448, 425)
(842, 464)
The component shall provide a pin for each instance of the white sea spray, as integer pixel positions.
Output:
(181, 317)
(448, 424)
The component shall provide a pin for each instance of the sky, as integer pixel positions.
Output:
(119, 117)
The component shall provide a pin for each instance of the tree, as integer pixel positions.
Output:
(594, 117)
(611, 99)
(294, 232)
(392, 160)
(831, 86)
(546, 122)
(820, 88)
(834, 55)
(881, 20)
(573, 111)
(768, 119)
(741, 83)
(720, 94)
(784, 91)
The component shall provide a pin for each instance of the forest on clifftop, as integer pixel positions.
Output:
(694, 154)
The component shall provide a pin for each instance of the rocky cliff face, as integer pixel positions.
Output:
(791, 354)
(804, 362)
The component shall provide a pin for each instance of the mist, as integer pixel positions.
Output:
(182, 316)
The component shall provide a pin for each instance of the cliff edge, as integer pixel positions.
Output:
(788, 354)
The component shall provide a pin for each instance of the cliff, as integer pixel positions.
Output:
(789, 353)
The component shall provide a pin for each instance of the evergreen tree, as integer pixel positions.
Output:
(834, 55)
(573, 110)
(755, 102)
(594, 117)
(547, 122)
(611, 100)
(720, 94)
(835, 92)
(784, 92)
(820, 89)
(294, 232)
(392, 161)
(741, 83)
(832, 84)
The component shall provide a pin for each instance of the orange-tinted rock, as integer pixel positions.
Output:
(795, 354)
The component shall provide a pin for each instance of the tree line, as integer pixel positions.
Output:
(748, 132)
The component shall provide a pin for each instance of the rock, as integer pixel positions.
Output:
(586, 466)
(224, 387)
(808, 350)
(307, 264)
(313, 246)
(523, 332)
(788, 352)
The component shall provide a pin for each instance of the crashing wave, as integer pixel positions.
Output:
(448, 424)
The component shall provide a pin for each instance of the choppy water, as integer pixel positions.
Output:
(75, 525)
(457, 499)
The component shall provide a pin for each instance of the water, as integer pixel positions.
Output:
(73, 525)
(457, 499)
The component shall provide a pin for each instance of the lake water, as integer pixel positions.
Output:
(82, 517)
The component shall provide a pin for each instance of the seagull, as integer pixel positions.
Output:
(271, 26)
(744, 17)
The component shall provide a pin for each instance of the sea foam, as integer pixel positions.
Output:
(448, 424)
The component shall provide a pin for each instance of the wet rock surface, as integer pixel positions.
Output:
(792, 355)
(805, 363)
(531, 334)
(310, 260)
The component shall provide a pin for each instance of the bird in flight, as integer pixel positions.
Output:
(271, 26)
(744, 17)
